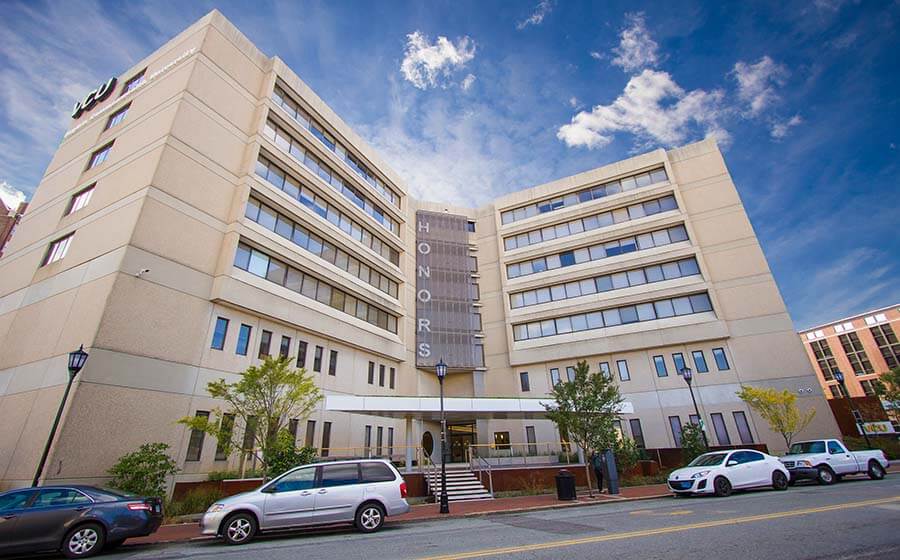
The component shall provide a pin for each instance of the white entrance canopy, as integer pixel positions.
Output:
(429, 408)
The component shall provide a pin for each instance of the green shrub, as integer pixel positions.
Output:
(195, 501)
(627, 454)
(890, 446)
(692, 442)
(284, 455)
(144, 472)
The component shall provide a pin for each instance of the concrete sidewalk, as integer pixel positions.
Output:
(191, 531)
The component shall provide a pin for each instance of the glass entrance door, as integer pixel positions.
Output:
(461, 437)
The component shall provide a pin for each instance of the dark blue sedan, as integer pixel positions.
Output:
(78, 521)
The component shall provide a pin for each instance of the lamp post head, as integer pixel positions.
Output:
(441, 369)
(687, 374)
(839, 377)
(77, 360)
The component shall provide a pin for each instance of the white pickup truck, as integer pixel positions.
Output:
(827, 460)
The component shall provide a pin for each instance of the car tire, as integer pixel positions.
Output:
(369, 517)
(875, 470)
(239, 528)
(780, 481)
(825, 476)
(722, 487)
(84, 541)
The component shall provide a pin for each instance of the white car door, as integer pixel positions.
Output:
(291, 500)
(841, 461)
(760, 471)
(738, 469)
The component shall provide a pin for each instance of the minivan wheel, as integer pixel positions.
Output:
(825, 476)
(369, 517)
(240, 528)
(779, 480)
(876, 471)
(83, 541)
(722, 487)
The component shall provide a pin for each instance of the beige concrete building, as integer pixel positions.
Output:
(862, 347)
(207, 208)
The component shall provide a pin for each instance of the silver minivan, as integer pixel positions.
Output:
(362, 492)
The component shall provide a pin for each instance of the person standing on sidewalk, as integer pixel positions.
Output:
(598, 460)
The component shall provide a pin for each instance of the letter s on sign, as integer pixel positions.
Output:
(424, 350)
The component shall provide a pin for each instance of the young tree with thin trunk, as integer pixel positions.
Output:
(888, 388)
(779, 409)
(266, 397)
(586, 409)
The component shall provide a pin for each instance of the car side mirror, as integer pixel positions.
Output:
(731, 463)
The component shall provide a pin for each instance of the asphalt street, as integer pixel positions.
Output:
(857, 518)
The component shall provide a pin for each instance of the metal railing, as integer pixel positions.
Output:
(474, 463)
(537, 453)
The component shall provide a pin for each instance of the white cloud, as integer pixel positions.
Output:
(427, 64)
(11, 196)
(596, 55)
(780, 129)
(757, 83)
(655, 109)
(537, 17)
(573, 102)
(636, 50)
(467, 82)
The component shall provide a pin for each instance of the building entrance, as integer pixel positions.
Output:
(461, 437)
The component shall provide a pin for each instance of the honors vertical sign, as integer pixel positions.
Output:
(445, 321)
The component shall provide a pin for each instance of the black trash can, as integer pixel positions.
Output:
(565, 485)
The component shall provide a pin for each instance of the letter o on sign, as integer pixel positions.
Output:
(424, 248)
(424, 296)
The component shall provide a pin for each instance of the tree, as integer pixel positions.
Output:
(779, 409)
(627, 454)
(265, 399)
(285, 454)
(586, 409)
(888, 388)
(144, 472)
(693, 443)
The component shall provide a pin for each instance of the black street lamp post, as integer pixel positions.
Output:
(688, 377)
(76, 362)
(441, 370)
(839, 377)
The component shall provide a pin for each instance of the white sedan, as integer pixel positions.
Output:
(720, 472)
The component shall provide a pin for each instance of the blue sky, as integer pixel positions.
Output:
(470, 100)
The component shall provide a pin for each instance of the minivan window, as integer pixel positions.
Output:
(376, 472)
(339, 475)
(301, 479)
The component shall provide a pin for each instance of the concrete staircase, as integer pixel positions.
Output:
(462, 484)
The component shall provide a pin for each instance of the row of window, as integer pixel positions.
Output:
(391, 378)
(856, 354)
(600, 251)
(699, 358)
(606, 282)
(659, 309)
(264, 266)
(824, 358)
(299, 235)
(718, 423)
(302, 117)
(586, 195)
(283, 140)
(597, 221)
(887, 344)
(376, 451)
(248, 443)
(265, 346)
(305, 196)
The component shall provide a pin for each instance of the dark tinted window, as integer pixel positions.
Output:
(106, 495)
(376, 472)
(15, 500)
(339, 475)
(59, 497)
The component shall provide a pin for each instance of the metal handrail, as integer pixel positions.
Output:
(490, 474)
(519, 453)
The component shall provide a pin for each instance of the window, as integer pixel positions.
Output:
(554, 377)
(381, 370)
(501, 440)
(721, 431)
(604, 369)
(721, 359)
(660, 364)
(326, 439)
(678, 360)
(836, 391)
(694, 419)
(856, 354)
(835, 448)
(371, 373)
(301, 479)
(376, 472)
(285, 349)
(243, 341)
(57, 250)
(310, 438)
(570, 373)
(317, 359)
(393, 377)
(367, 441)
(80, 199)
(675, 424)
(249, 442)
(390, 442)
(523, 381)
(887, 343)
(227, 427)
(59, 497)
(700, 361)
(637, 434)
(531, 439)
(99, 156)
(622, 366)
(470, 226)
(740, 420)
(868, 387)
(218, 340)
(117, 117)
(264, 342)
(824, 358)
(195, 444)
(134, 82)
(301, 354)
(339, 475)
(15, 500)
(332, 362)
(379, 440)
